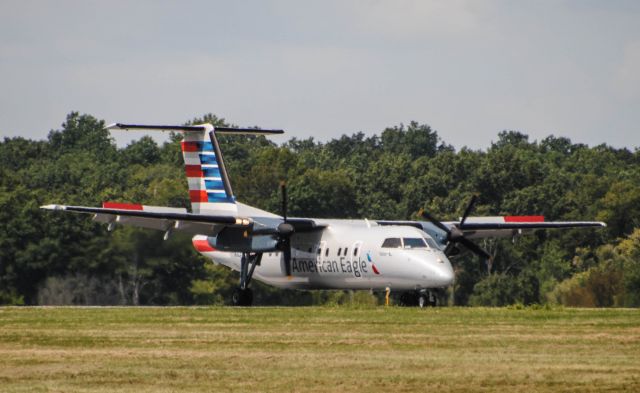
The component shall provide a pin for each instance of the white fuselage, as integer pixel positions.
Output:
(349, 254)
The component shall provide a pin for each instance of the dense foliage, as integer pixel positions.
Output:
(52, 258)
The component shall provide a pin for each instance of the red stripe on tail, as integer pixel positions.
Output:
(124, 206)
(524, 219)
(198, 196)
(193, 170)
(190, 146)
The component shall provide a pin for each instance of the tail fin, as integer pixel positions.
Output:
(209, 186)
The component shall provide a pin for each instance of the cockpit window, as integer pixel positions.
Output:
(392, 242)
(414, 242)
(431, 243)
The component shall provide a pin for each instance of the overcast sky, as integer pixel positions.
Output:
(469, 69)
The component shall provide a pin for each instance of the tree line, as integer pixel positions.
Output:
(49, 258)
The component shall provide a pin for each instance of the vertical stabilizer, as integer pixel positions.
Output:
(209, 186)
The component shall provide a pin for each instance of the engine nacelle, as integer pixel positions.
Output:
(242, 240)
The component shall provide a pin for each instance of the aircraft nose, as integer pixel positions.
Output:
(443, 274)
(439, 272)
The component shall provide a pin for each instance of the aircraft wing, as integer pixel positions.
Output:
(178, 219)
(155, 217)
(508, 226)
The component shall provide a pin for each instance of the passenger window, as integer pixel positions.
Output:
(414, 242)
(346, 250)
(392, 242)
(326, 252)
(339, 251)
(355, 251)
(318, 251)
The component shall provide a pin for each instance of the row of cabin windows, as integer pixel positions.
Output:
(326, 251)
(340, 251)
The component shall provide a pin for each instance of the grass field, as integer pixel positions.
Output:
(318, 349)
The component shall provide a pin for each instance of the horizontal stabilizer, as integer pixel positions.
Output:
(193, 128)
(256, 131)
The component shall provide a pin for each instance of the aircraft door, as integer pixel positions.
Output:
(320, 251)
(355, 251)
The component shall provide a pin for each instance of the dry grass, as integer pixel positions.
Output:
(318, 349)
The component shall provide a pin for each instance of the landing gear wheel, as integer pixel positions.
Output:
(423, 300)
(426, 298)
(242, 297)
(409, 299)
(434, 301)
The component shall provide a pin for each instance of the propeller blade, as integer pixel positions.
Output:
(468, 209)
(447, 250)
(287, 258)
(474, 248)
(283, 192)
(435, 222)
(285, 231)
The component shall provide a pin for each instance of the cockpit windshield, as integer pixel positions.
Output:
(409, 243)
(414, 242)
(431, 243)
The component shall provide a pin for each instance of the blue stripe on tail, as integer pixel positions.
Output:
(208, 159)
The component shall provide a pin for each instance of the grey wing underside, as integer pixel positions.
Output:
(163, 219)
(178, 219)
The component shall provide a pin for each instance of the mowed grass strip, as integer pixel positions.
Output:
(318, 349)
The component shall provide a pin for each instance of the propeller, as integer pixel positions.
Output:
(456, 234)
(285, 230)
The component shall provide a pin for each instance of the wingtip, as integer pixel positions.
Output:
(53, 207)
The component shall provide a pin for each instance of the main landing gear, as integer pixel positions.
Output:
(424, 298)
(243, 296)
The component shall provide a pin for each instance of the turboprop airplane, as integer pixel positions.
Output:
(307, 253)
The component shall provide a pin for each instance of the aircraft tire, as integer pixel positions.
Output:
(242, 297)
(409, 299)
(423, 300)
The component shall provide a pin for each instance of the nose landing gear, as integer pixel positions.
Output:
(423, 298)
